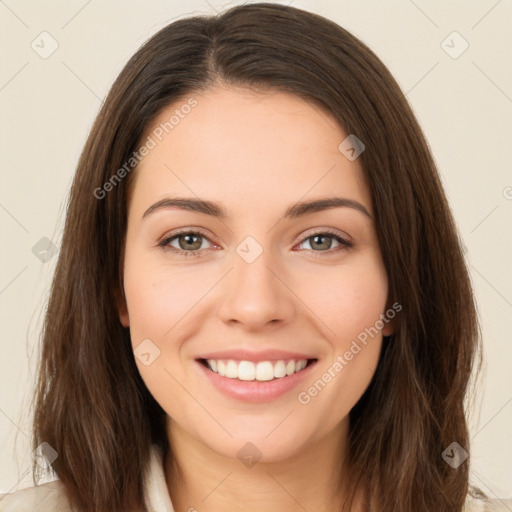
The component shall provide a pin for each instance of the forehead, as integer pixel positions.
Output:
(247, 148)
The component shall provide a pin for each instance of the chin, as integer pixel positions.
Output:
(255, 445)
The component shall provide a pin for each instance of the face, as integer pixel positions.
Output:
(254, 286)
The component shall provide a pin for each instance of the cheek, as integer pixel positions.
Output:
(349, 303)
(349, 300)
(159, 295)
(160, 303)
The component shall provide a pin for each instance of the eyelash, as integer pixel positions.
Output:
(164, 244)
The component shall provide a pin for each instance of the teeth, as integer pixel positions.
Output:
(262, 371)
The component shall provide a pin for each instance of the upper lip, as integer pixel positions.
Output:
(248, 355)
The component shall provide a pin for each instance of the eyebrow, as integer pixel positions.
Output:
(297, 210)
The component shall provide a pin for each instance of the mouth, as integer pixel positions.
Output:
(261, 371)
(255, 381)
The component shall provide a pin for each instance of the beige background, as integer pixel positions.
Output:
(464, 105)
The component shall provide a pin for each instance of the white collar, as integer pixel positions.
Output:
(156, 486)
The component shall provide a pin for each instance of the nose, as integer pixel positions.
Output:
(256, 294)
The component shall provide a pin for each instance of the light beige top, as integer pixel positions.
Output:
(50, 497)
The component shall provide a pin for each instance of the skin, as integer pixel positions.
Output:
(256, 154)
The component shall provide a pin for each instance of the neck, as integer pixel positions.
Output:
(199, 478)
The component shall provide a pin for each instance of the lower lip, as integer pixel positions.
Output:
(256, 391)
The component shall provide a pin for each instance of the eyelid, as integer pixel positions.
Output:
(331, 231)
(187, 230)
(192, 230)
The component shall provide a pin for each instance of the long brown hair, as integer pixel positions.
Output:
(91, 404)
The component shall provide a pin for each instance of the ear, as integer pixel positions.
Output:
(391, 322)
(122, 309)
(389, 328)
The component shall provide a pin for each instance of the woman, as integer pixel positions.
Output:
(261, 296)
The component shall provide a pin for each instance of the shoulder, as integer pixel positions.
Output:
(483, 504)
(48, 497)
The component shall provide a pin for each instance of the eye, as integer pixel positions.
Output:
(189, 243)
(321, 241)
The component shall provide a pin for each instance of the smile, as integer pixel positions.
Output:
(249, 381)
(261, 371)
